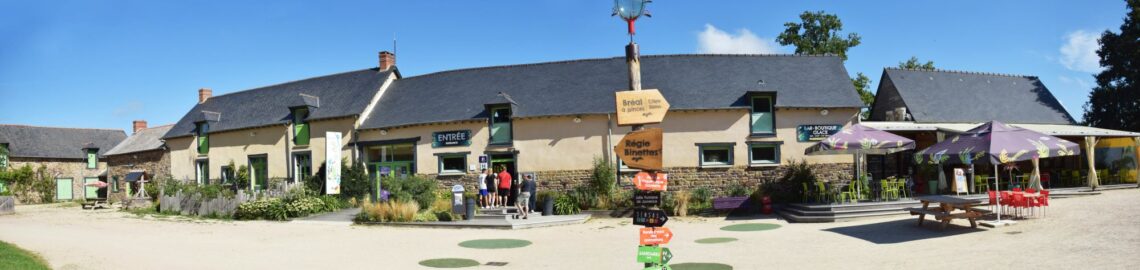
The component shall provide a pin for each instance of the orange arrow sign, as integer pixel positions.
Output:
(655, 236)
(651, 181)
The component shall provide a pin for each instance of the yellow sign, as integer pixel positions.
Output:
(641, 149)
(641, 107)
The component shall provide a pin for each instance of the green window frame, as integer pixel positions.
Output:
(302, 166)
(259, 172)
(763, 116)
(203, 138)
(3, 156)
(92, 158)
(227, 175)
(301, 126)
(202, 172)
(501, 125)
(764, 153)
(715, 154)
(115, 184)
(452, 163)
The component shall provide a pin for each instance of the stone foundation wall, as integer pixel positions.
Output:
(718, 180)
(74, 169)
(156, 163)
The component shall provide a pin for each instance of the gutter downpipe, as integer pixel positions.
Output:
(610, 149)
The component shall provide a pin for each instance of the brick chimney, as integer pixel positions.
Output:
(139, 125)
(387, 60)
(204, 94)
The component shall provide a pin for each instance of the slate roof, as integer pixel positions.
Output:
(54, 142)
(943, 96)
(144, 140)
(340, 95)
(588, 86)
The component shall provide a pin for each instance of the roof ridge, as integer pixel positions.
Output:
(293, 81)
(611, 58)
(34, 126)
(965, 72)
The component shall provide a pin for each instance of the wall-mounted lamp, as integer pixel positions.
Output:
(824, 112)
(383, 132)
(577, 119)
(252, 133)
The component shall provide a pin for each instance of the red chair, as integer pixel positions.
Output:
(993, 200)
(1043, 201)
(1032, 205)
(1006, 200)
(1016, 189)
(1030, 190)
(1018, 202)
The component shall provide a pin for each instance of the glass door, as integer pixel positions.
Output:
(259, 172)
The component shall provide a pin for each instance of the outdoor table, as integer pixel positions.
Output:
(946, 205)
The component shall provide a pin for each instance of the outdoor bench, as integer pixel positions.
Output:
(729, 203)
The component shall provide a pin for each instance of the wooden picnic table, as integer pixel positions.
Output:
(945, 209)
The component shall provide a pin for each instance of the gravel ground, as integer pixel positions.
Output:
(1094, 232)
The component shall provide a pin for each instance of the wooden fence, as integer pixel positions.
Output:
(7, 205)
(197, 206)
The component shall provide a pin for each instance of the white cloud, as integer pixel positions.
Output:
(1079, 52)
(130, 108)
(713, 40)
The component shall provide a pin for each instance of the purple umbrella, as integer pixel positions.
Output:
(860, 139)
(996, 143)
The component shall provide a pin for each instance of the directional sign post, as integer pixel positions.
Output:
(649, 254)
(641, 149)
(651, 181)
(655, 236)
(649, 217)
(646, 199)
(646, 106)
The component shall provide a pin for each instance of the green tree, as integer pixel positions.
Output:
(818, 33)
(1115, 101)
(913, 63)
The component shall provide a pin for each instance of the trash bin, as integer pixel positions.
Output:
(471, 205)
(457, 200)
(548, 206)
(932, 187)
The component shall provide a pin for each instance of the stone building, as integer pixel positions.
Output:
(72, 156)
(142, 156)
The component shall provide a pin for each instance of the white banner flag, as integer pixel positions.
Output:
(332, 162)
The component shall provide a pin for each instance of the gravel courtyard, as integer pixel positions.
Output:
(1092, 232)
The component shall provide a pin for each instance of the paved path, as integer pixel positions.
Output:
(342, 217)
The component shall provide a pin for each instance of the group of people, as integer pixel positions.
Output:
(495, 191)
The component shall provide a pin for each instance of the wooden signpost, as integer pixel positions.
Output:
(641, 149)
(646, 106)
(655, 236)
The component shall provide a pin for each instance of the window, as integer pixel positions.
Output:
(763, 119)
(302, 166)
(259, 172)
(115, 184)
(301, 126)
(764, 153)
(92, 158)
(227, 175)
(3, 155)
(501, 125)
(203, 138)
(713, 155)
(202, 172)
(453, 163)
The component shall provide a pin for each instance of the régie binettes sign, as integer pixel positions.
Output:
(451, 138)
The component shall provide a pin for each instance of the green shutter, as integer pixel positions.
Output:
(63, 189)
(91, 192)
(203, 138)
(301, 134)
(92, 159)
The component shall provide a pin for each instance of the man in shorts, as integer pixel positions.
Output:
(504, 186)
(482, 184)
(523, 201)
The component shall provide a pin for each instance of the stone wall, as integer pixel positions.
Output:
(156, 163)
(74, 169)
(718, 180)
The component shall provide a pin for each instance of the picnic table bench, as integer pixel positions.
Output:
(945, 210)
(94, 203)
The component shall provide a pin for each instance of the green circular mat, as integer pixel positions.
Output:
(749, 227)
(495, 243)
(449, 263)
(700, 266)
(716, 240)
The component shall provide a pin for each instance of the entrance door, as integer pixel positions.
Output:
(63, 189)
(259, 172)
(91, 191)
(507, 161)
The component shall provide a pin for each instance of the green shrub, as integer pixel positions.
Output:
(413, 188)
(304, 206)
(30, 185)
(788, 187)
(392, 211)
(700, 200)
(738, 190)
(268, 209)
(584, 197)
(354, 181)
(604, 177)
(565, 205)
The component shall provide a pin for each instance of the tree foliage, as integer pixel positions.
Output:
(863, 87)
(818, 33)
(1115, 101)
(914, 63)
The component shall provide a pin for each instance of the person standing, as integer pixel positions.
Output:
(504, 185)
(523, 201)
(492, 189)
(482, 183)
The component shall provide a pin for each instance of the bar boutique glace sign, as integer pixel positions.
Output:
(451, 138)
(816, 132)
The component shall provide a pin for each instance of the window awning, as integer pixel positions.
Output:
(134, 176)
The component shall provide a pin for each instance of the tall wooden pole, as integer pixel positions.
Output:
(633, 61)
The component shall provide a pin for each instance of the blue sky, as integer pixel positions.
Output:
(104, 63)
